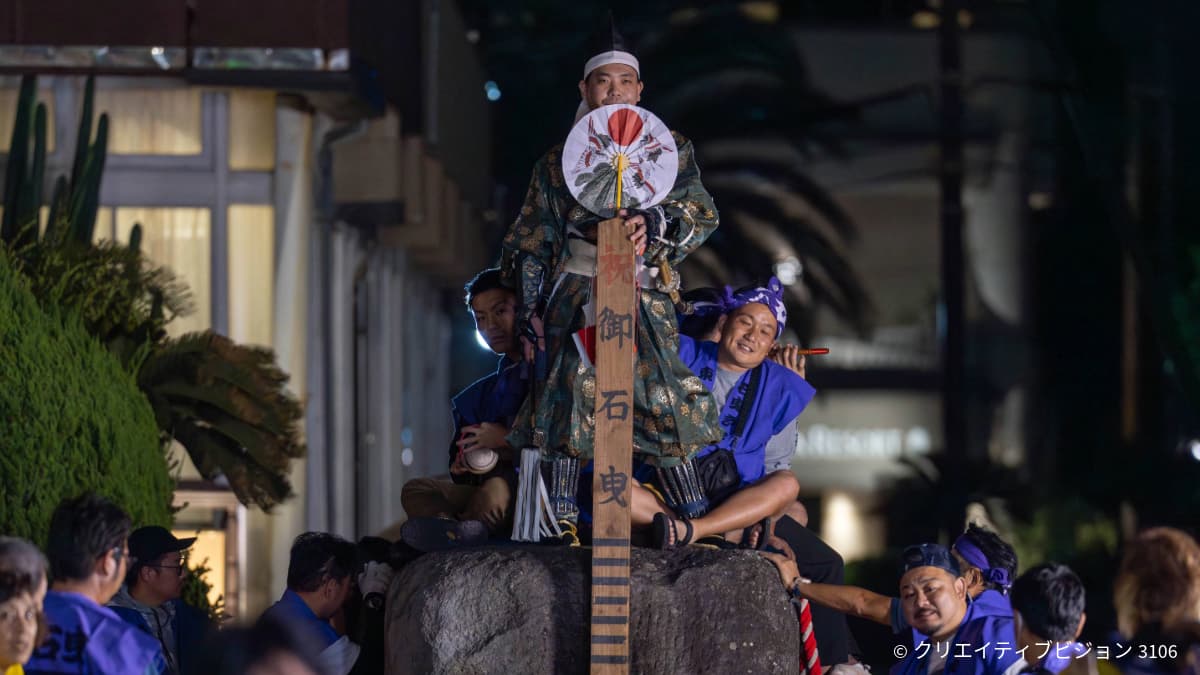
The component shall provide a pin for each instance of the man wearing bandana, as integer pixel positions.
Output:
(549, 258)
(956, 636)
(963, 638)
(988, 565)
(760, 400)
(746, 476)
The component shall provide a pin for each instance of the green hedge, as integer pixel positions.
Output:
(71, 420)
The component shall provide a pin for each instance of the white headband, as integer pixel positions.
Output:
(605, 58)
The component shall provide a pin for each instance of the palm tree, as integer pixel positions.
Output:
(227, 404)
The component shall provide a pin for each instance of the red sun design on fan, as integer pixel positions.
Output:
(624, 126)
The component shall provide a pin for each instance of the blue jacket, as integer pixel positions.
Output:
(991, 646)
(89, 639)
(781, 396)
(189, 624)
(291, 610)
(495, 398)
(989, 603)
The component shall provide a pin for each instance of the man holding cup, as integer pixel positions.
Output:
(477, 502)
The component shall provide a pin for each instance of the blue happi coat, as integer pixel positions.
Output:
(496, 398)
(987, 632)
(85, 638)
(988, 603)
(781, 396)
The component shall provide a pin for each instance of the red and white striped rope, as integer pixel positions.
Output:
(810, 660)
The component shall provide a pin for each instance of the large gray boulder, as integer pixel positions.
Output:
(520, 610)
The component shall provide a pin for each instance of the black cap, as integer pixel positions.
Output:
(607, 38)
(928, 555)
(149, 543)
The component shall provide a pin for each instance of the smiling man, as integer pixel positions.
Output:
(746, 476)
(961, 639)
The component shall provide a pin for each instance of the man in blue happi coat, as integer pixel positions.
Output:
(88, 552)
(746, 476)
(987, 563)
(471, 507)
(959, 638)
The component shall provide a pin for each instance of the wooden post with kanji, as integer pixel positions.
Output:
(613, 456)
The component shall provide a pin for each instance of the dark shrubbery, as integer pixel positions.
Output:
(71, 420)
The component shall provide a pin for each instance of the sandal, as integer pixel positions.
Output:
(762, 528)
(716, 542)
(663, 531)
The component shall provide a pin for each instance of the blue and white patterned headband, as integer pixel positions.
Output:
(770, 295)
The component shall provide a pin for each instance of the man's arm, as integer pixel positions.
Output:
(458, 472)
(850, 600)
(531, 244)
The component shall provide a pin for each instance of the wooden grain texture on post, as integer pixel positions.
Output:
(611, 488)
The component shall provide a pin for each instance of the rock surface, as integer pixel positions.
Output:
(519, 610)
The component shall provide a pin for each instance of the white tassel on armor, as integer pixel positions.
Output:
(533, 518)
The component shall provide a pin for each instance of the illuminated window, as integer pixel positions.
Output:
(179, 238)
(252, 274)
(216, 520)
(151, 121)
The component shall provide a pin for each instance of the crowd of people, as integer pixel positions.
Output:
(715, 400)
(105, 599)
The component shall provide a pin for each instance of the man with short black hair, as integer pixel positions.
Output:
(467, 509)
(1048, 602)
(87, 553)
(318, 583)
(150, 598)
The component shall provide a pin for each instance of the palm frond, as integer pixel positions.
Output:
(220, 457)
(228, 405)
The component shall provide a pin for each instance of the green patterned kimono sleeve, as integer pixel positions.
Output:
(532, 244)
(690, 208)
